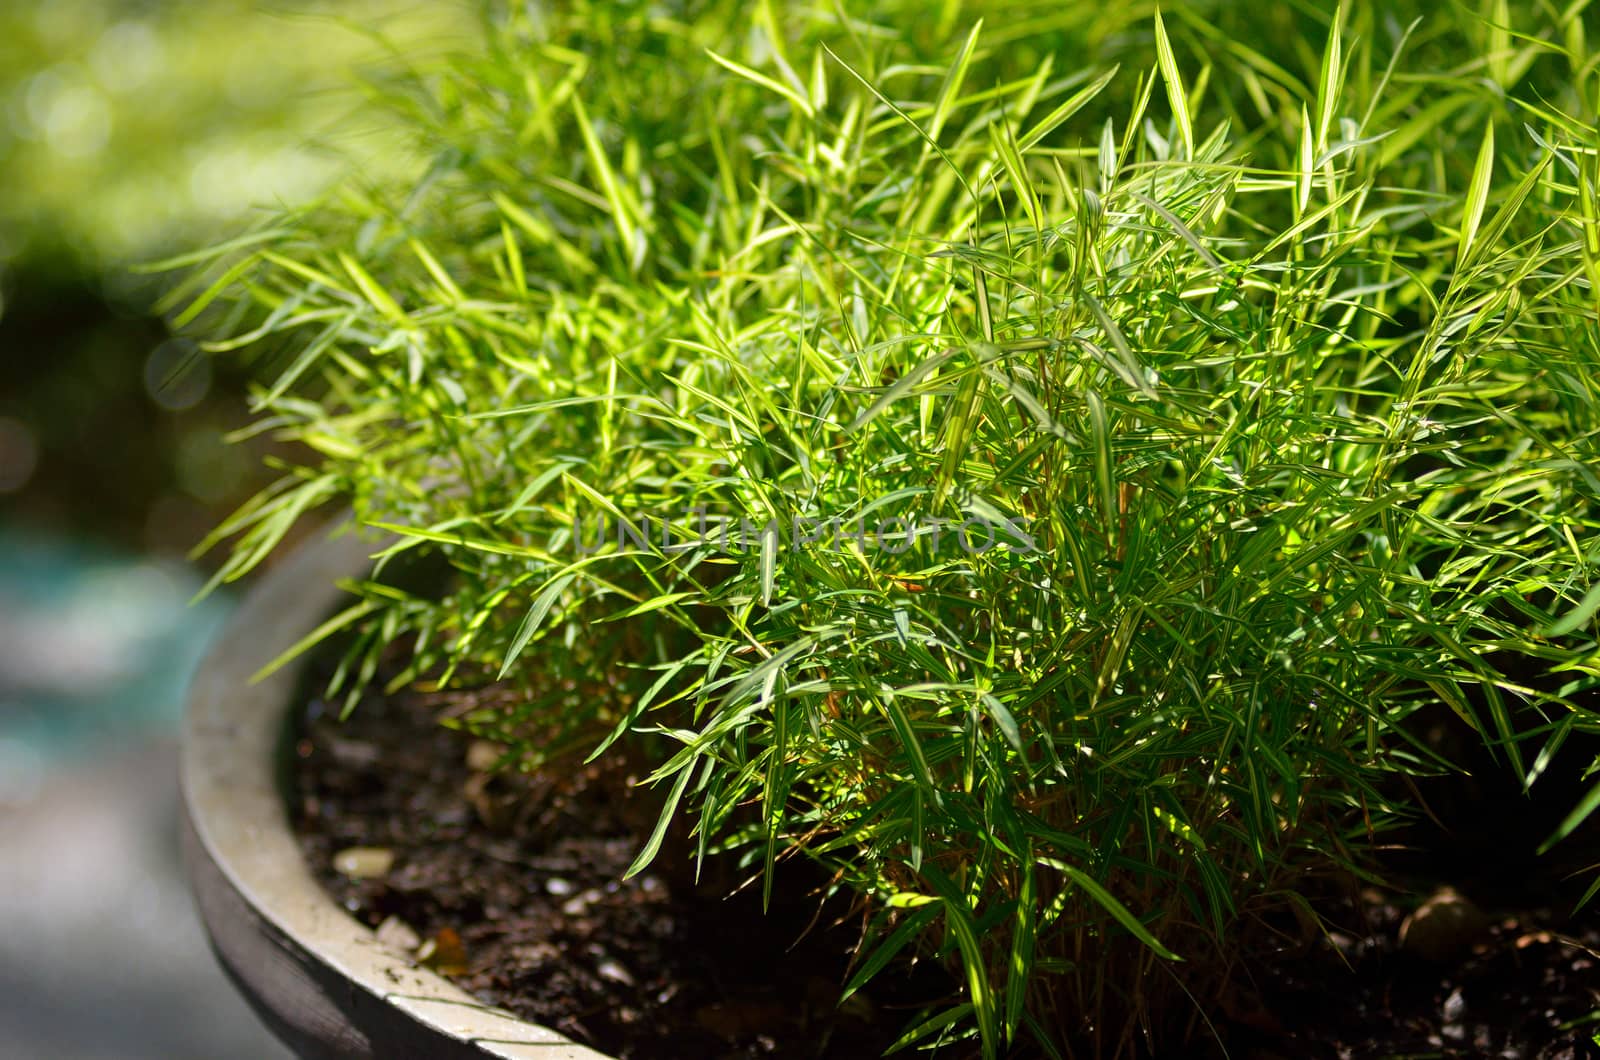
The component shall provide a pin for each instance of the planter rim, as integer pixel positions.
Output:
(317, 976)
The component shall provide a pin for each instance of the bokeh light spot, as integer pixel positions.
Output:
(177, 375)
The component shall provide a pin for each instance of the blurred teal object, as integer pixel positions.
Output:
(96, 647)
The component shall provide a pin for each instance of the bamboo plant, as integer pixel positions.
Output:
(1033, 459)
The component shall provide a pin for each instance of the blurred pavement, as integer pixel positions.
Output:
(101, 955)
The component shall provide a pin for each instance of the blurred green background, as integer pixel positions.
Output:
(130, 130)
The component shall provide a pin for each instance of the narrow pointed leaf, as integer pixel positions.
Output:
(1176, 95)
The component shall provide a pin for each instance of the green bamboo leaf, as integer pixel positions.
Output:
(1107, 901)
(610, 188)
(1176, 95)
(1580, 813)
(899, 389)
(756, 77)
(1589, 210)
(911, 744)
(347, 617)
(1331, 80)
(305, 359)
(1076, 102)
(1004, 720)
(1020, 968)
(910, 928)
(1307, 164)
(1016, 171)
(1425, 121)
(953, 79)
(959, 923)
(668, 675)
(653, 845)
(1477, 192)
(658, 603)
(211, 253)
(213, 292)
(1588, 896)
(1100, 431)
(1579, 615)
(900, 113)
(931, 1027)
(447, 286)
(564, 403)
(1032, 406)
(1515, 199)
(769, 563)
(1183, 230)
(373, 291)
(444, 537)
(957, 433)
(534, 619)
(1130, 370)
(1106, 157)
(1500, 54)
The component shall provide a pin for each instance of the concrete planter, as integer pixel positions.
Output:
(315, 975)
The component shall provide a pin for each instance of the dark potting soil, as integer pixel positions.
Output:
(512, 884)
(1508, 985)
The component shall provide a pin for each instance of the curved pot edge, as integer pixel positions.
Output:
(316, 976)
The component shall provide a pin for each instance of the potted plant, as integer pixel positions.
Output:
(1054, 499)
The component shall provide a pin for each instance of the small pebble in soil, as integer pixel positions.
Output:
(559, 887)
(364, 863)
(484, 755)
(395, 934)
(580, 905)
(1444, 927)
(353, 753)
(1455, 1006)
(612, 970)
